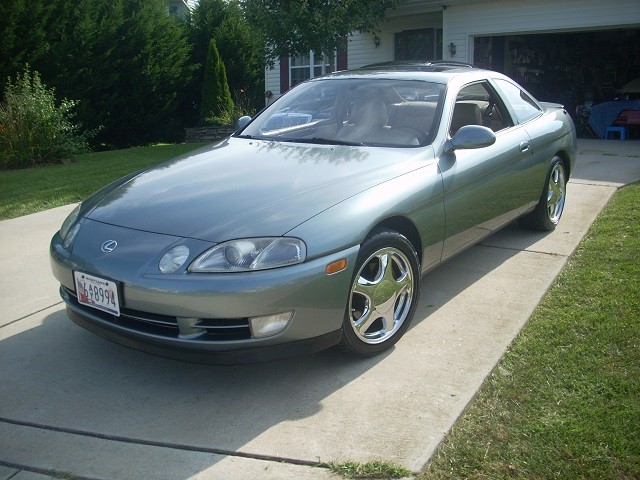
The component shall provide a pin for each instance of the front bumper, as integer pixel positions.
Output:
(190, 352)
(203, 318)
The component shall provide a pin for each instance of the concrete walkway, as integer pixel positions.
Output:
(72, 403)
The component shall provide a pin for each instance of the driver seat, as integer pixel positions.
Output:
(465, 114)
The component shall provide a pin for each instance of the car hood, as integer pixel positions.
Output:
(245, 188)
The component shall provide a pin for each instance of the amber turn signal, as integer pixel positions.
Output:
(336, 266)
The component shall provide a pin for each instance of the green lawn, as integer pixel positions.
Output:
(564, 403)
(34, 189)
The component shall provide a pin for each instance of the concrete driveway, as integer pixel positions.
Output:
(71, 402)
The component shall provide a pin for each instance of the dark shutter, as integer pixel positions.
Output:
(284, 74)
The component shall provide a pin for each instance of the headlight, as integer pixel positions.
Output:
(70, 228)
(173, 259)
(69, 221)
(71, 236)
(251, 254)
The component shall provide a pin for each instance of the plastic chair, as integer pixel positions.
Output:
(621, 131)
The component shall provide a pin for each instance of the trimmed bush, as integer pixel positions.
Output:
(33, 130)
(217, 105)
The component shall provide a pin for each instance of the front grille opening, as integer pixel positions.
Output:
(214, 329)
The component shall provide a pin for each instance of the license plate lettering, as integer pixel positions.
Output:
(97, 292)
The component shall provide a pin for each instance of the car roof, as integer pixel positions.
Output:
(437, 71)
(431, 66)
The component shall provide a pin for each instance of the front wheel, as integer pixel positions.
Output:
(383, 296)
(547, 213)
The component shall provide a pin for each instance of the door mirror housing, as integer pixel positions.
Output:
(470, 136)
(242, 122)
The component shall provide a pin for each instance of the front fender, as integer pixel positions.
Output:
(416, 196)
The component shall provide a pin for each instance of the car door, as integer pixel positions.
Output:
(484, 188)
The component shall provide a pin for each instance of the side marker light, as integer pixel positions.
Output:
(337, 266)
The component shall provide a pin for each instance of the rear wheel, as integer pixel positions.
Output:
(549, 210)
(383, 296)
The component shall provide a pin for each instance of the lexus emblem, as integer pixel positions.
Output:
(109, 246)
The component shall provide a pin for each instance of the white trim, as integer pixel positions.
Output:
(311, 66)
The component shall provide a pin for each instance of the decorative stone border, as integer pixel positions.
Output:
(207, 134)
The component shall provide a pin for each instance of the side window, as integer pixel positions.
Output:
(523, 105)
(478, 104)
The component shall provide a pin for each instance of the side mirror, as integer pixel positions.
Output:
(470, 136)
(242, 122)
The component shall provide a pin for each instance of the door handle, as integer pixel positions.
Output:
(524, 146)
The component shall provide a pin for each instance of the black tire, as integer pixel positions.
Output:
(383, 295)
(547, 214)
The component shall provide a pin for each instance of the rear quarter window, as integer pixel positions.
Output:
(522, 104)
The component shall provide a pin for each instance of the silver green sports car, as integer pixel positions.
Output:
(312, 225)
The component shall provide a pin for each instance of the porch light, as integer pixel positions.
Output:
(452, 49)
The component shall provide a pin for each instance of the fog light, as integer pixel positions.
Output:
(269, 325)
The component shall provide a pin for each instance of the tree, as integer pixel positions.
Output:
(296, 28)
(241, 49)
(217, 105)
(126, 60)
(25, 38)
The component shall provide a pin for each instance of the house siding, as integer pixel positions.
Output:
(361, 51)
(462, 20)
(508, 17)
(272, 80)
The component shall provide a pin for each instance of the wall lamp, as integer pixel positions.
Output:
(452, 49)
(376, 41)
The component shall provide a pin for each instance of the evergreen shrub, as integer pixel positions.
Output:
(217, 105)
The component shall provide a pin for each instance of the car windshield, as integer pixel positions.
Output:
(348, 111)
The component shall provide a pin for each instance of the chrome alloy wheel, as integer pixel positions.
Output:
(381, 296)
(556, 193)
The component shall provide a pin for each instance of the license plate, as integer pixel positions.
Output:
(97, 292)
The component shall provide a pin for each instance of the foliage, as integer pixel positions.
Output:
(240, 47)
(207, 16)
(24, 36)
(137, 71)
(125, 59)
(216, 98)
(133, 60)
(564, 402)
(33, 129)
(296, 28)
(32, 190)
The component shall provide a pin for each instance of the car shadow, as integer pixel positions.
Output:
(58, 376)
